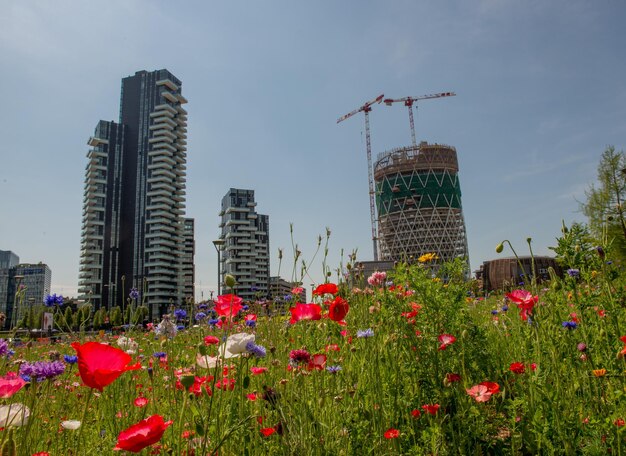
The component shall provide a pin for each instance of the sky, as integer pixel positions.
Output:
(540, 95)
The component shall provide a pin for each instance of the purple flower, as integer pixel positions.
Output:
(251, 323)
(180, 314)
(160, 355)
(70, 359)
(581, 347)
(573, 272)
(4, 347)
(42, 370)
(505, 308)
(200, 316)
(365, 333)
(494, 312)
(53, 300)
(257, 350)
(213, 321)
(569, 325)
(134, 294)
(333, 369)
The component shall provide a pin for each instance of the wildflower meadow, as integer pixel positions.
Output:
(412, 362)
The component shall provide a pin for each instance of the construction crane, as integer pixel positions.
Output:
(408, 101)
(366, 108)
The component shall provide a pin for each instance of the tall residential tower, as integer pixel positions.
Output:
(134, 202)
(246, 248)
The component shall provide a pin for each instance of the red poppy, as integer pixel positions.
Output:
(619, 422)
(297, 290)
(142, 434)
(228, 305)
(332, 347)
(338, 309)
(141, 402)
(392, 433)
(492, 387)
(317, 362)
(431, 409)
(416, 413)
(10, 384)
(267, 431)
(453, 377)
(525, 302)
(517, 368)
(211, 340)
(250, 317)
(305, 312)
(41, 453)
(251, 397)
(445, 340)
(326, 288)
(258, 370)
(100, 364)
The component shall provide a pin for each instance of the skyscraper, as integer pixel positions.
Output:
(133, 208)
(246, 248)
(189, 271)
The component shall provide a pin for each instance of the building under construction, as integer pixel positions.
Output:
(418, 200)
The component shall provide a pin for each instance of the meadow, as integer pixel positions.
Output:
(412, 363)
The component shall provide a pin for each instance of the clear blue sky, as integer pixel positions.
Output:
(540, 90)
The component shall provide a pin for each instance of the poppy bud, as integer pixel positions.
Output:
(529, 240)
(229, 281)
(499, 247)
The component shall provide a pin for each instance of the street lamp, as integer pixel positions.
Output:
(218, 243)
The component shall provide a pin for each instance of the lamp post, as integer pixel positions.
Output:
(218, 243)
(19, 289)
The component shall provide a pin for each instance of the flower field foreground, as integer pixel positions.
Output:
(417, 367)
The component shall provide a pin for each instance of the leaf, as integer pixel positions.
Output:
(246, 382)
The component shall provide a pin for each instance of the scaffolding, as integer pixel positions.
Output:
(418, 199)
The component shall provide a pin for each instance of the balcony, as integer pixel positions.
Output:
(94, 142)
(168, 83)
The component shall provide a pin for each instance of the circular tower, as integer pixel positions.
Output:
(418, 198)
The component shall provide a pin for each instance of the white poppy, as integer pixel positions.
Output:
(14, 415)
(236, 345)
(70, 424)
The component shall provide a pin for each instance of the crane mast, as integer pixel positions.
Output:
(366, 108)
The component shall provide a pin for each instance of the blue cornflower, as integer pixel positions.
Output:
(53, 300)
(505, 308)
(200, 316)
(180, 314)
(134, 294)
(4, 347)
(180, 327)
(365, 333)
(160, 355)
(569, 325)
(494, 312)
(213, 321)
(251, 323)
(245, 307)
(333, 369)
(203, 306)
(573, 272)
(287, 297)
(26, 378)
(70, 359)
(257, 350)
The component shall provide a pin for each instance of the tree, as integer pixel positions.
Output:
(605, 207)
